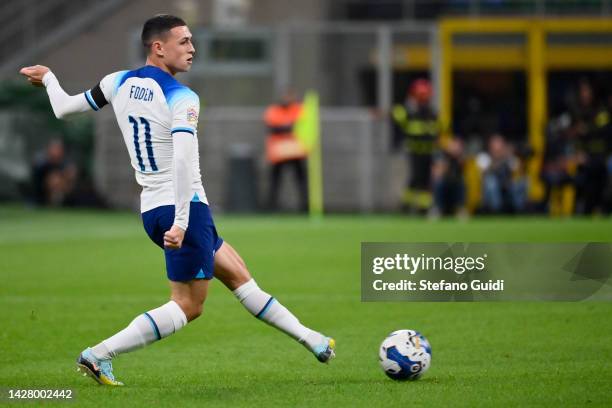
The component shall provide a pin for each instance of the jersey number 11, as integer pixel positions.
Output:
(148, 143)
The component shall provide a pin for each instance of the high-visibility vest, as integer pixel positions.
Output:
(421, 130)
(281, 144)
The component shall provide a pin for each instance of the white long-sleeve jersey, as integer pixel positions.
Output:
(158, 118)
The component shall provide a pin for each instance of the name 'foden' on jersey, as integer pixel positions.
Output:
(141, 94)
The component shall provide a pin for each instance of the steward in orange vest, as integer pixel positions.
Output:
(283, 149)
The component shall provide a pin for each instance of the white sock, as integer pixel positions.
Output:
(144, 329)
(266, 308)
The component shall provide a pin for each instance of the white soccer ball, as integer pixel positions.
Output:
(405, 355)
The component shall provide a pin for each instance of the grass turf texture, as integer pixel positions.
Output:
(70, 279)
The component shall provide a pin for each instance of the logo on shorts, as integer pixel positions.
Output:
(192, 115)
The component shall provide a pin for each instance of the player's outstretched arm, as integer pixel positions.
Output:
(184, 133)
(62, 103)
(183, 151)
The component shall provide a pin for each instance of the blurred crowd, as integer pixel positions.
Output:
(445, 177)
(53, 175)
(577, 168)
(56, 180)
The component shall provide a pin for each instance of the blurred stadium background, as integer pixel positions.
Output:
(516, 68)
(535, 73)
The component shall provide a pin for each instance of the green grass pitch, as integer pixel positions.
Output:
(70, 279)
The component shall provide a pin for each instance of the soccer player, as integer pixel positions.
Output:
(158, 118)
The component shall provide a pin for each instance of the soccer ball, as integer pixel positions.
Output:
(405, 355)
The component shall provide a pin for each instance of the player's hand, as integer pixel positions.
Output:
(35, 74)
(173, 238)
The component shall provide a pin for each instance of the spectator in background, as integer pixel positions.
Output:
(607, 131)
(416, 123)
(559, 167)
(589, 129)
(447, 175)
(504, 186)
(283, 150)
(54, 175)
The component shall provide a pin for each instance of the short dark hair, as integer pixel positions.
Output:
(158, 26)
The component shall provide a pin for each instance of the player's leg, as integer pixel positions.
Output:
(185, 305)
(189, 270)
(190, 296)
(232, 271)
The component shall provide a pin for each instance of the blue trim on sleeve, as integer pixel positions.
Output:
(90, 100)
(177, 95)
(119, 80)
(154, 325)
(182, 129)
